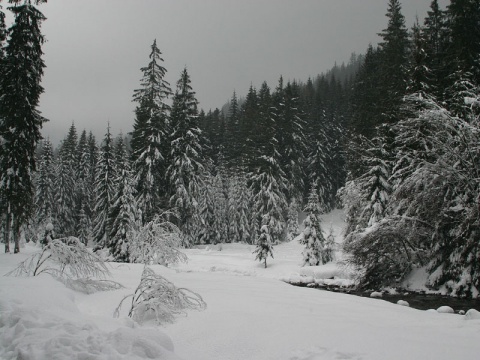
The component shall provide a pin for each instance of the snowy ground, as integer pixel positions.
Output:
(251, 314)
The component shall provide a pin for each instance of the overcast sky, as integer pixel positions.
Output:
(95, 49)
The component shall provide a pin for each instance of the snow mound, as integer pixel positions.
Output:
(31, 333)
(376, 294)
(403, 303)
(319, 353)
(472, 314)
(445, 310)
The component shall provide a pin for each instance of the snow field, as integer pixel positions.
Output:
(250, 314)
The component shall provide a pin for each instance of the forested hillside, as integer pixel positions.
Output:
(392, 136)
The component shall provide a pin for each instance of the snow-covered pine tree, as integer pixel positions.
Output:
(20, 90)
(239, 212)
(66, 211)
(464, 38)
(150, 138)
(434, 34)
(187, 159)
(44, 185)
(376, 183)
(291, 138)
(124, 213)
(93, 158)
(292, 221)
(268, 186)
(314, 253)
(264, 242)
(205, 233)
(84, 227)
(220, 202)
(420, 77)
(3, 35)
(317, 161)
(268, 183)
(104, 191)
(394, 50)
(64, 216)
(83, 189)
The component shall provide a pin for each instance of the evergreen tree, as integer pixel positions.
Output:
(20, 120)
(313, 239)
(376, 184)
(220, 224)
(420, 77)
(93, 158)
(84, 186)
(239, 212)
(264, 242)
(249, 126)
(186, 167)
(84, 227)
(366, 99)
(394, 56)
(3, 35)
(207, 211)
(66, 185)
(267, 182)
(292, 221)
(45, 191)
(464, 40)
(64, 196)
(268, 185)
(124, 212)
(150, 138)
(291, 138)
(234, 141)
(104, 192)
(434, 34)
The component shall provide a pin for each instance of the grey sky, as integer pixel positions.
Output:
(96, 48)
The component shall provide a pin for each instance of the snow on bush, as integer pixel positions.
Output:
(158, 299)
(157, 242)
(445, 310)
(71, 262)
(472, 314)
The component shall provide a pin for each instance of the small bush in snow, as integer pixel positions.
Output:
(264, 244)
(69, 261)
(157, 298)
(157, 242)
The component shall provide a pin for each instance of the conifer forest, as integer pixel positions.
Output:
(392, 137)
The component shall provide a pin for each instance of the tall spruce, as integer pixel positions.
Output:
(315, 252)
(463, 18)
(394, 60)
(268, 183)
(104, 191)
(187, 158)
(150, 138)
(434, 34)
(20, 120)
(45, 180)
(291, 138)
(124, 212)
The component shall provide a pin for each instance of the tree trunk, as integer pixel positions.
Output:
(16, 236)
(6, 233)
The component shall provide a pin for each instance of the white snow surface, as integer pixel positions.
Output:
(251, 314)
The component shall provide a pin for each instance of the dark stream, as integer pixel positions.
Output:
(416, 300)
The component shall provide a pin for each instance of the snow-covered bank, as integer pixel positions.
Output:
(250, 314)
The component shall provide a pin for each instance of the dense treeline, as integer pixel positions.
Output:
(413, 190)
(226, 176)
(393, 137)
